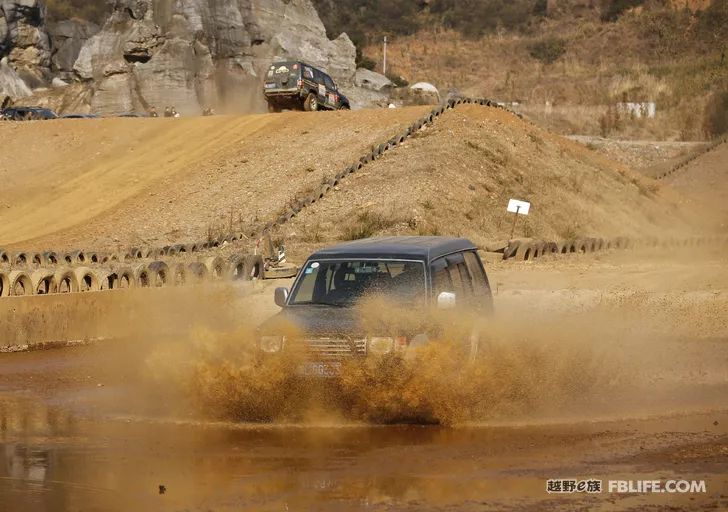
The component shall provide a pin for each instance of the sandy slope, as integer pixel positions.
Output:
(97, 184)
(705, 182)
(78, 182)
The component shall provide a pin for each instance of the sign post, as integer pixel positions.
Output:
(517, 207)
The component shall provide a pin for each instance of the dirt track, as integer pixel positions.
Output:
(87, 427)
(104, 182)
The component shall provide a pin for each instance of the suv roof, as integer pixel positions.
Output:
(426, 248)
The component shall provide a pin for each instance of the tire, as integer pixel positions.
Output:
(159, 274)
(44, 282)
(273, 109)
(66, 281)
(4, 285)
(311, 103)
(216, 268)
(236, 267)
(20, 284)
(87, 280)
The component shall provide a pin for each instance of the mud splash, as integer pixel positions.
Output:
(521, 369)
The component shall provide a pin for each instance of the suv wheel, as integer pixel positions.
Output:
(273, 108)
(311, 103)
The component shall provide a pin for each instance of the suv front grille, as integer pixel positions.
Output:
(323, 349)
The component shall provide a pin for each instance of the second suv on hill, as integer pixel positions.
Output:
(297, 85)
(27, 114)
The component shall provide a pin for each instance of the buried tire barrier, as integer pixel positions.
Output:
(4, 285)
(216, 268)
(66, 281)
(159, 274)
(124, 278)
(20, 283)
(179, 274)
(142, 276)
(43, 281)
(197, 272)
(87, 280)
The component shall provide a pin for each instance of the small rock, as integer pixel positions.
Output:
(715, 423)
(162, 489)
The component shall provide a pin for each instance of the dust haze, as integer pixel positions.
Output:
(632, 350)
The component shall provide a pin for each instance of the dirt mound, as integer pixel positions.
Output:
(456, 177)
(704, 181)
(111, 182)
(99, 183)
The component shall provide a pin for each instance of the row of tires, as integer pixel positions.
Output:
(298, 204)
(687, 160)
(157, 274)
(32, 260)
(525, 250)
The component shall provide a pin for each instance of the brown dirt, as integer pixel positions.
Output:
(100, 183)
(456, 178)
(705, 182)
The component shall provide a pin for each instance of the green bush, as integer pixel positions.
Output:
(548, 50)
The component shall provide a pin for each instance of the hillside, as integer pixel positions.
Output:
(705, 182)
(456, 177)
(122, 182)
(569, 67)
(100, 182)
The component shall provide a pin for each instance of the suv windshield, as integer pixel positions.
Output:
(343, 282)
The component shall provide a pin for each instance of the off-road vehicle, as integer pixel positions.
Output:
(297, 85)
(27, 114)
(416, 273)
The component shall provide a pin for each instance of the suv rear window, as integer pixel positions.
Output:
(284, 70)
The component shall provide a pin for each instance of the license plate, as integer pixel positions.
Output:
(320, 369)
(270, 86)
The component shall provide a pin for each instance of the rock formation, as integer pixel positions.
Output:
(24, 40)
(193, 55)
(209, 53)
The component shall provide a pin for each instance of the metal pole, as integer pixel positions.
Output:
(384, 65)
(515, 218)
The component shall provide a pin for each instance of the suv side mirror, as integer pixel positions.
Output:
(446, 300)
(281, 297)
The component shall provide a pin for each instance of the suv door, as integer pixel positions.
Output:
(332, 98)
(320, 86)
(462, 274)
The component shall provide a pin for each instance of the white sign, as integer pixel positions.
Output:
(516, 206)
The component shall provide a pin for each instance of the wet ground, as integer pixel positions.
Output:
(82, 429)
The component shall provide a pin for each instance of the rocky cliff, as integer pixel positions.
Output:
(24, 40)
(194, 55)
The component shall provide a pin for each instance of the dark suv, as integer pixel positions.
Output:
(413, 272)
(297, 85)
(27, 114)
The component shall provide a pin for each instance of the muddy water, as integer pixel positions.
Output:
(624, 377)
(73, 437)
(54, 460)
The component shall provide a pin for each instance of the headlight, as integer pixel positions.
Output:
(271, 344)
(381, 346)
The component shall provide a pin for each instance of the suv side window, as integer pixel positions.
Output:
(450, 274)
(329, 83)
(481, 287)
